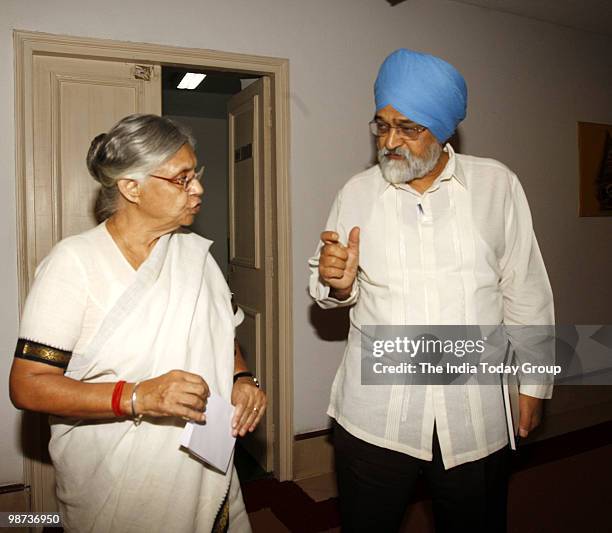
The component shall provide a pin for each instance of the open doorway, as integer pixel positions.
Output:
(204, 111)
(100, 81)
(231, 183)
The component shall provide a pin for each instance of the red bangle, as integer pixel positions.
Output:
(116, 400)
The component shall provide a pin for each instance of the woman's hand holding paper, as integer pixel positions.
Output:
(176, 393)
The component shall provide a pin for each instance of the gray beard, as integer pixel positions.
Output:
(411, 167)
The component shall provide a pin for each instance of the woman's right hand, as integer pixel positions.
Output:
(176, 393)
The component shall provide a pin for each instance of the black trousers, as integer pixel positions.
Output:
(376, 484)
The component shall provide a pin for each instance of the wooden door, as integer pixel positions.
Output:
(251, 245)
(73, 101)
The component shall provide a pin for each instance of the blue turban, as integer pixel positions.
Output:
(423, 88)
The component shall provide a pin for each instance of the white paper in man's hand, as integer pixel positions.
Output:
(212, 441)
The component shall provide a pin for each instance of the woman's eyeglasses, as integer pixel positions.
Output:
(183, 180)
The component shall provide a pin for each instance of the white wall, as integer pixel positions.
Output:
(529, 83)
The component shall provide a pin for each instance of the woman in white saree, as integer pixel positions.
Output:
(132, 322)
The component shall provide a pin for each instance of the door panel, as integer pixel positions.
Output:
(73, 101)
(245, 182)
(250, 337)
(250, 243)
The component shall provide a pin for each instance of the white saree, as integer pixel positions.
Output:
(174, 312)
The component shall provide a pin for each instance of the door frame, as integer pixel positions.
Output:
(28, 44)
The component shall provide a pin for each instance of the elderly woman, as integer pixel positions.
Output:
(132, 322)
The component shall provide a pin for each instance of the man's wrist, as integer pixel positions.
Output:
(340, 294)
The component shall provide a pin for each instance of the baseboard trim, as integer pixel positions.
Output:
(14, 487)
(313, 454)
(15, 498)
(313, 434)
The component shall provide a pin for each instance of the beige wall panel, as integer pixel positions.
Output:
(313, 457)
(17, 501)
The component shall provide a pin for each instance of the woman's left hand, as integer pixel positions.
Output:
(250, 403)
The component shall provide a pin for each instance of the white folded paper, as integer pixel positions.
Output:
(510, 387)
(212, 441)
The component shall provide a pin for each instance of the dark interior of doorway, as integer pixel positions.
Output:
(204, 112)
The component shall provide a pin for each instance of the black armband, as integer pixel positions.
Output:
(41, 353)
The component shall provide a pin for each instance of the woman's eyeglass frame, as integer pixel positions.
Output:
(181, 180)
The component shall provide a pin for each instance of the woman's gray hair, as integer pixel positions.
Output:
(132, 148)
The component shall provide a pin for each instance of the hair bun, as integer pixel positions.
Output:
(95, 157)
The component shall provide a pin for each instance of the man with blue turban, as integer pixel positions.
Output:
(427, 237)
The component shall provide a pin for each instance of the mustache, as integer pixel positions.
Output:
(399, 150)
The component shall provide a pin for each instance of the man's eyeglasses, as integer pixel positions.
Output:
(381, 128)
(183, 180)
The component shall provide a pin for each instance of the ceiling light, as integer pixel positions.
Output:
(191, 80)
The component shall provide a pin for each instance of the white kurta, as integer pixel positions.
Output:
(174, 312)
(463, 252)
